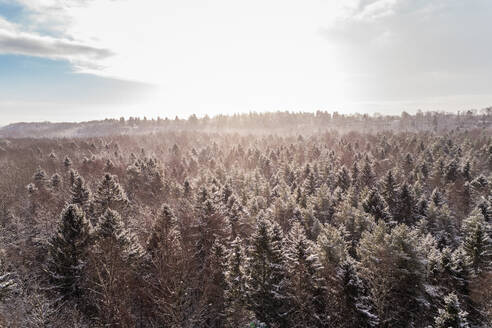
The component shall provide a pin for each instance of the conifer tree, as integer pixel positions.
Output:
(373, 204)
(477, 243)
(215, 287)
(67, 162)
(367, 176)
(114, 262)
(55, 181)
(405, 205)
(451, 316)
(343, 178)
(306, 285)
(109, 195)
(354, 308)
(389, 188)
(437, 198)
(236, 312)
(68, 252)
(81, 194)
(391, 265)
(266, 275)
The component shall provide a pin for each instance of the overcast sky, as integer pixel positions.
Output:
(65, 60)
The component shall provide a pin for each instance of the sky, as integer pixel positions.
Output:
(78, 60)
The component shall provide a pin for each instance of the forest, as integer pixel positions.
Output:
(329, 221)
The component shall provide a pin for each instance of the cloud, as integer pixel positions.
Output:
(414, 48)
(15, 41)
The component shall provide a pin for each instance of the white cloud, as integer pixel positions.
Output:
(406, 49)
(13, 40)
(227, 56)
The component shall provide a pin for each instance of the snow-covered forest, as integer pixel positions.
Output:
(255, 220)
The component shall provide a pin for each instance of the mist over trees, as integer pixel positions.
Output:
(253, 220)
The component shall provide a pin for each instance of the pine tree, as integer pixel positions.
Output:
(81, 194)
(111, 230)
(67, 162)
(40, 178)
(437, 198)
(355, 174)
(367, 176)
(109, 195)
(266, 275)
(343, 178)
(68, 252)
(306, 285)
(354, 308)
(451, 316)
(477, 243)
(451, 171)
(391, 265)
(55, 181)
(373, 204)
(405, 205)
(466, 171)
(215, 287)
(389, 191)
(114, 262)
(235, 293)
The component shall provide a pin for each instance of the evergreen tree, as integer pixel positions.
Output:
(466, 171)
(68, 252)
(451, 316)
(266, 280)
(389, 188)
(343, 178)
(109, 195)
(215, 287)
(405, 205)
(81, 194)
(354, 309)
(114, 264)
(306, 285)
(437, 198)
(235, 293)
(391, 265)
(451, 171)
(373, 204)
(367, 176)
(55, 181)
(477, 243)
(67, 162)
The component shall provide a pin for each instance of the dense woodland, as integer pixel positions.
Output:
(192, 228)
(259, 123)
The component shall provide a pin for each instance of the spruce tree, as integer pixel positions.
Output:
(266, 275)
(354, 308)
(343, 178)
(306, 285)
(389, 190)
(81, 194)
(405, 205)
(68, 252)
(451, 316)
(109, 195)
(215, 287)
(236, 312)
(391, 265)
(477, 243)
(367, 175)
(373, 204)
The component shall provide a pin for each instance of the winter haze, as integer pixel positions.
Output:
(245, 164)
